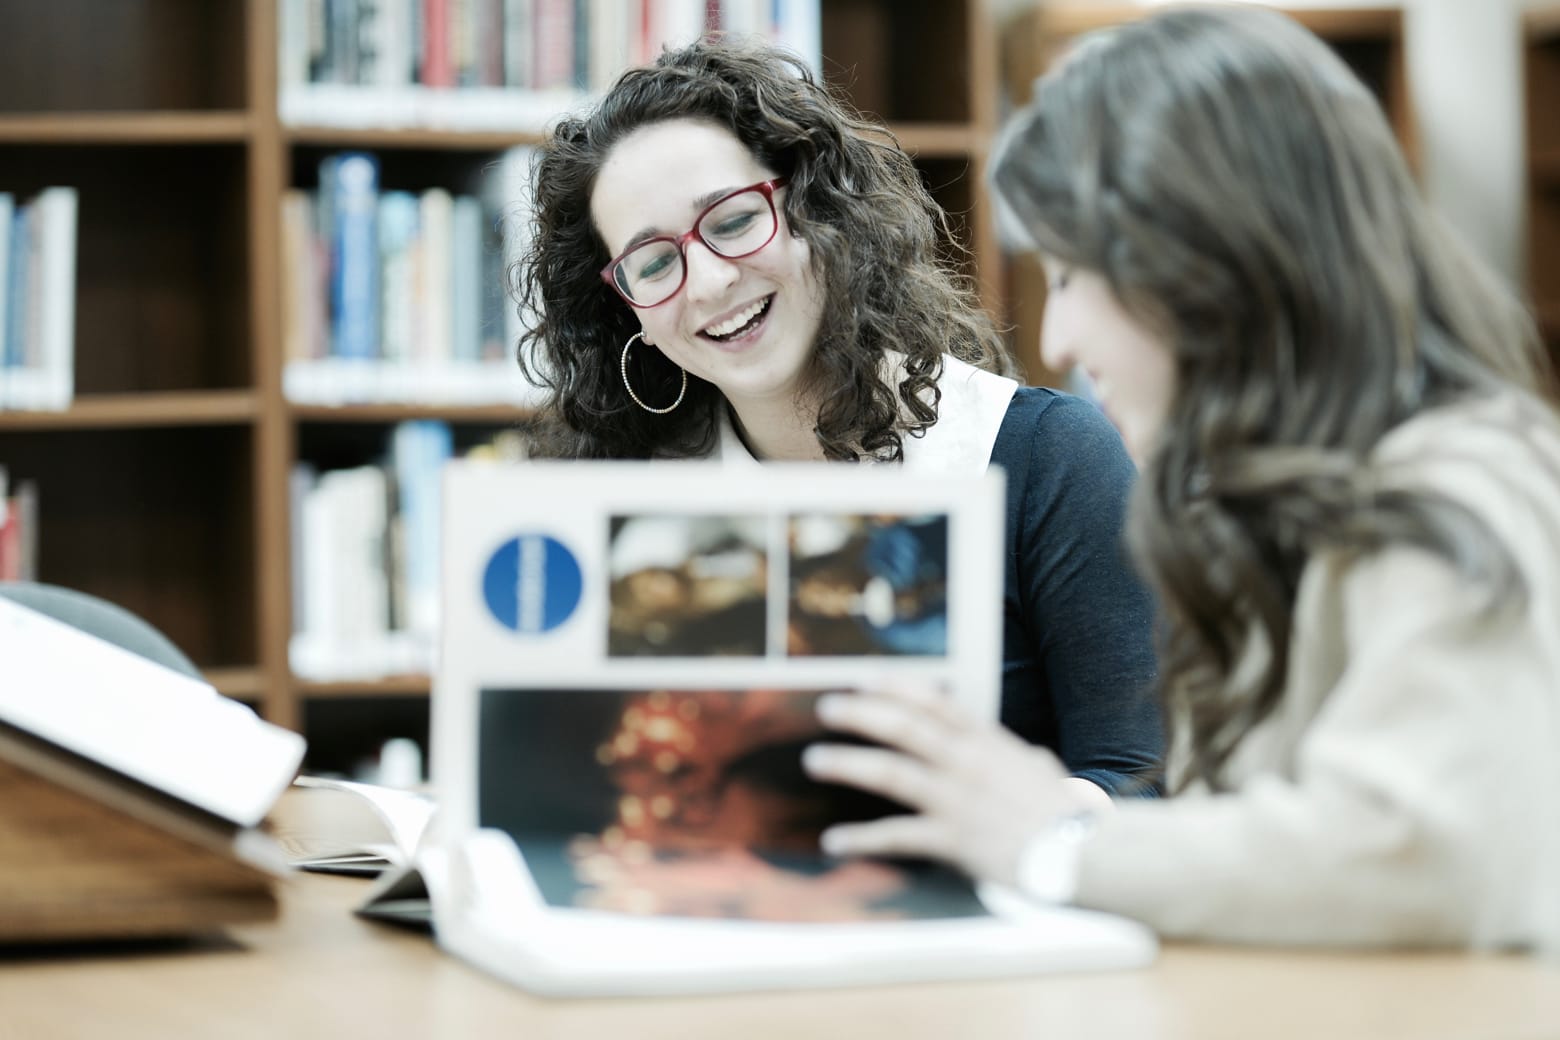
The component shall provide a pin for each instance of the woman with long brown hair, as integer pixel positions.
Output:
(1349, 512)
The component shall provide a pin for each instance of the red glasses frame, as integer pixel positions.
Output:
(766, 188)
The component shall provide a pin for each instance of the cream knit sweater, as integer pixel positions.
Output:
(1407, 791)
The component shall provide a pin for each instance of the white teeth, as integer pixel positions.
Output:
(736, 321)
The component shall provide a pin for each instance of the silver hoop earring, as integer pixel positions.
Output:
(623, 367)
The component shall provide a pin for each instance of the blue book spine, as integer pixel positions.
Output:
(18, 304)
(7, 218)
(420, 448)
(355, 271)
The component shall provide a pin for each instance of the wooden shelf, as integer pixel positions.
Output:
(411, 139)
(393, 413)
(125, 128)
(939, 140)
(239, 683)
(174, 408)
(1332, 23)
(392, 686)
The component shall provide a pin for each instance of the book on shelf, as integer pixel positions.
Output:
(349, 183)
(630, 660)
(18, 529)
(38, 310)
(493, 64)
(387, 296)
(130, 792)
(365, 556)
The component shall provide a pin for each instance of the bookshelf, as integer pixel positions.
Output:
(165, 486)
(1541, 76)
(1369, 39)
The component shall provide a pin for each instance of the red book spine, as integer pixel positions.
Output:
(436, 68)
(10, 541)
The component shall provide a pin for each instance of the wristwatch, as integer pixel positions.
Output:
(1048, 865)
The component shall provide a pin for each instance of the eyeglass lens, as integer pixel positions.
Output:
(734, 227)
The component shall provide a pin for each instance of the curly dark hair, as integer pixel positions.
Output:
(1244, 197)
(880, 246)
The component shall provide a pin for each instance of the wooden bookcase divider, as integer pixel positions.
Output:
(1541, 87)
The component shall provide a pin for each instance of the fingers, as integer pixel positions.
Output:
(903, 720)
(877, 770)
(933, 700)
(917, 836)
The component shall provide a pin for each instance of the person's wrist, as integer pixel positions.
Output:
(1048, 863)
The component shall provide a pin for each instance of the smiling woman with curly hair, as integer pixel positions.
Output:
(729, 263)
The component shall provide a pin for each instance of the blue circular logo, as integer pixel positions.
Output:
(532, 583)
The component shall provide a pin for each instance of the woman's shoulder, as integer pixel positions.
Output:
(1486, 426)
(1051, 428)
(1497, 457)
(1480, 451)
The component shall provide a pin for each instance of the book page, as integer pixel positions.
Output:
(630, 663)
(632, 656)
(347, 827)
(164, 729)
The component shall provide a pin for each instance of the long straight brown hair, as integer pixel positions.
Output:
(1244, 196)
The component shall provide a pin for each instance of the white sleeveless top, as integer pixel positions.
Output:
(974, 403)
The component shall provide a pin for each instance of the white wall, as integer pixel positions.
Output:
(1465, 80)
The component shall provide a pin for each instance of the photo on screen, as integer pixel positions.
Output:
(687, 586)
(688, 803)
(867, 585)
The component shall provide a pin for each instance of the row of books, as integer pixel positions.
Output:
(515, 63)
(38, 299)
(18, 529)
(394, 295)
(365, 562)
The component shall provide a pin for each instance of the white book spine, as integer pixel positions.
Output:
(320, 569)
(466, 278)
(292, 41)
(678, 23)
(300, 280)
(435, 342)
(801, 30)
(514, 204)
(7, 214)
(300, 483)
(57, 284)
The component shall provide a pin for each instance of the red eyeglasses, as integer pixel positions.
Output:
(738, 224)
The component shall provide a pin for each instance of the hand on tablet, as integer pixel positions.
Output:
(977, 792)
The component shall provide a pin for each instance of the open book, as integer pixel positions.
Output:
(368, 830)
(129, 792)
(630, 661)
(347, 827)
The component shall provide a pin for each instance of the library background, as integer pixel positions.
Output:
(251, 259)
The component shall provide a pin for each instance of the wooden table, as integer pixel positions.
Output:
(321, 972)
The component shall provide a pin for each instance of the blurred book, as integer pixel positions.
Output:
(130, 792)
(38, 300)
(397, 296)
(494, 64)
(18, 529)
(346, 827)
(630, 661)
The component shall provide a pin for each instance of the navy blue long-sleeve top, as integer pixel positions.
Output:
(1077, 647)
